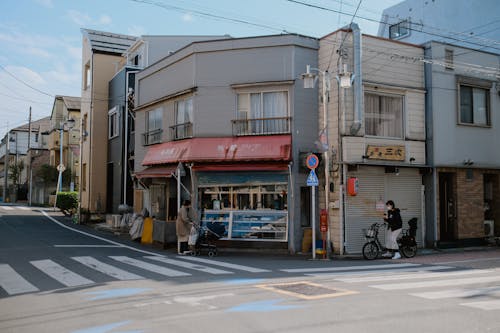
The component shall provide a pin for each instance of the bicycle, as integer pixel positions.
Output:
(407, 242)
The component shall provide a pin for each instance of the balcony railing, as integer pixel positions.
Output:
(261, 126)
(182, 131)
(151, 137)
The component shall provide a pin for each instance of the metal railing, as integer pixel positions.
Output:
(182, 131)
(152, 137)
(261, 126)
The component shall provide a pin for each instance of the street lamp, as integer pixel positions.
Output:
(69, 124)
(345, 80)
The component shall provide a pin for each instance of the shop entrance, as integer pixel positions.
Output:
(491, 209)
(447, 207)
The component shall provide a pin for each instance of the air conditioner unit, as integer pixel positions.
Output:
(489, 228)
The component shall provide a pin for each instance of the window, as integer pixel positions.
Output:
(153, 126)
(113, 123)
(384, 115)
(84, 127)
(86, 78)
(183, 118)
(448, 59)
(399, 30)
(84, 176)
(262, 111)
(474, 105)
(36, 137)
(154, 119)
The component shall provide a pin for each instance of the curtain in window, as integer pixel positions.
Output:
(480, 113)
(256, 113)
(466, 105)
(275, 106)
(384, 116)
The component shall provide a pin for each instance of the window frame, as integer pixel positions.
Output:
(474, 84)
(113, 123)
(86, 76)
(398, 26)
(158, 110)
(403, 113)
(176, 107)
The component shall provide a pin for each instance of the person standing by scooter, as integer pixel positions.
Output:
(393, 218)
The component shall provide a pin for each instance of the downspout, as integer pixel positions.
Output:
(358, 80)
(126, 134)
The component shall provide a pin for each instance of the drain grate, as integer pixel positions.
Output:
(306, 290)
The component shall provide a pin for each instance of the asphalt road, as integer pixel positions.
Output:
(59, 277)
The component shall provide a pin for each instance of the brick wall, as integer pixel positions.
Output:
(470, 204)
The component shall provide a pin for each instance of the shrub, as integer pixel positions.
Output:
(67, 201)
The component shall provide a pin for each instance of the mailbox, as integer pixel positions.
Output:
(352, 186)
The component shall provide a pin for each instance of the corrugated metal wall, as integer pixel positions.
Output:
(375, 185)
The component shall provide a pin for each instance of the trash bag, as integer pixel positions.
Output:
(193, 236)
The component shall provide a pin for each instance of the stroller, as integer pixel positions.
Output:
(207, 235)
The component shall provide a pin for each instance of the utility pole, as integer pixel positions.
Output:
(28, 153)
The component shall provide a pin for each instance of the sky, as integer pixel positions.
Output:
(41, 40)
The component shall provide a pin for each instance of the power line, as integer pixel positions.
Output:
(26, 84)
(381, 22)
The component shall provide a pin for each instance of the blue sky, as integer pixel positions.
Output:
(41, 39)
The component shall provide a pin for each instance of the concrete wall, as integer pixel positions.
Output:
(453, 21)
(453, 143)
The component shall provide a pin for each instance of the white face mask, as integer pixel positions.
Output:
(389, 207)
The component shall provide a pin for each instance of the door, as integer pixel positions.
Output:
(447, 207)
(109, 188)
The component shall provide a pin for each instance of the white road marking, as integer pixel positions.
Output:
(484, 305)
(13, 283)
(149, 267)
(7, 208)
(468, 260)
(381, 272)
(23, 208)
(226, 264)
(189, 265)
(196, 301)
(413, 276)
(350, 268)
(60, 273)
(437, 283)
(459, 293)
(97, 237)
(107, 269)
(89, 245)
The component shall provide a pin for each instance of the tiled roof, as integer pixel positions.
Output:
(72, 103)
(108, 42)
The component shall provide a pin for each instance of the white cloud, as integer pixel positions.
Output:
(45, 3)
(105, 20)
(136, 30)
(84, 19)
(187, 17)
(26, 75)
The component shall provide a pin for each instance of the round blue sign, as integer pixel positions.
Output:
(312, 161)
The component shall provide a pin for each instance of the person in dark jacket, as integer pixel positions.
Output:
(395, 225)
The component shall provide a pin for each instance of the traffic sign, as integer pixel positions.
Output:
(312, 161)
(312, 179)
(61, 168)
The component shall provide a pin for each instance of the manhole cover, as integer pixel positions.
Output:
(306, 290)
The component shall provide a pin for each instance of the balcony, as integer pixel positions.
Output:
(182, 131)
(261, 126)
(151, 137)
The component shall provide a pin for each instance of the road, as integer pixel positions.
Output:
(60, 277)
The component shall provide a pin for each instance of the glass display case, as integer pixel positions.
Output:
(251, 225)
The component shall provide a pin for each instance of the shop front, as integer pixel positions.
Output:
(365, 204)
(240, 182)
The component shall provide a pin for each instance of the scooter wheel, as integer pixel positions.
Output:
(370, 251)
(409, 251)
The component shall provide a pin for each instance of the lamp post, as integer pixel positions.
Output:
(344, 80)
(69, 124)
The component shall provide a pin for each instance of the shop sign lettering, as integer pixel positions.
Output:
(391, 153)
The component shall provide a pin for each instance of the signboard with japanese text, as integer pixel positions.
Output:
(390, 153)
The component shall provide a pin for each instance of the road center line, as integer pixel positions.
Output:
(100, 238)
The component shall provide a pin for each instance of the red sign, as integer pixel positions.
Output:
(312, 161)
(323, 221)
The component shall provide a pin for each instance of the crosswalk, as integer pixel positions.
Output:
(122, 268)
(9, 208)
(430, 283)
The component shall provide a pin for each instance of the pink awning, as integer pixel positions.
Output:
(228, 149)
(156, 172)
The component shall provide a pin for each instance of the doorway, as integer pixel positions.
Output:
(447, 207)
(109, 188)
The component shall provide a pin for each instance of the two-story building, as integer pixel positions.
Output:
(376, 133)
(223, 123)
(66, 110)
(121, 125)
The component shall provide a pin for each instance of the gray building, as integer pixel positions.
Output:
(463, 131)
(145, 51)
(226, 123)
(472, 24)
